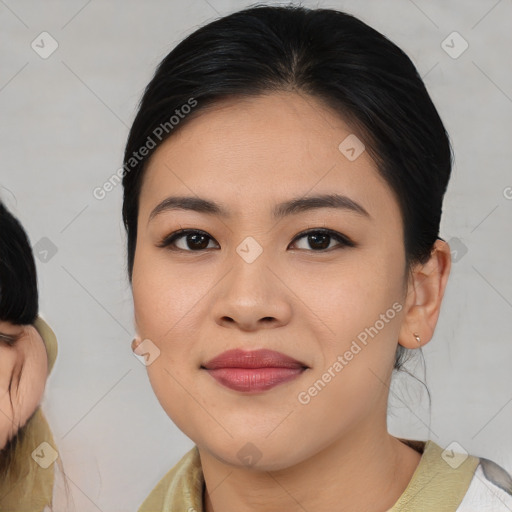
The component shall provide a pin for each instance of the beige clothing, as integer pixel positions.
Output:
(434, 486)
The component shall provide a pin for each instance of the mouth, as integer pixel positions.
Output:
(253, 371)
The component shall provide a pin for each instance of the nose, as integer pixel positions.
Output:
(252, 296)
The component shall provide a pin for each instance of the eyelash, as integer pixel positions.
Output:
(169, 240)
(8, 339)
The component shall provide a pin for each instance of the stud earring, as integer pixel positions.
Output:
(418, 339)
(135, 343)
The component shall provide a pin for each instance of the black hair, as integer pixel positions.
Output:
(19, 298)
(329, 55)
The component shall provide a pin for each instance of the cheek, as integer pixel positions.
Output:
(172, 378)
(161, 306)
(150, 288)
(362, 306)
(167, 295)
(7, 362)
(20, 402)
(163, 299)
(349, 298)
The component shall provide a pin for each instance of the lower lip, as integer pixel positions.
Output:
(254, 379)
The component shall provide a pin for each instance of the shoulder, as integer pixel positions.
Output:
(181, 488)
(451, 480)
(490, 489)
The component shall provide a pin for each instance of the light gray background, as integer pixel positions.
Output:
(64, 124)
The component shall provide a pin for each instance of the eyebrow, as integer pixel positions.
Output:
(291, 207)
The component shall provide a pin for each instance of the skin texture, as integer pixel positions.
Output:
(24, 366)
(306, 302)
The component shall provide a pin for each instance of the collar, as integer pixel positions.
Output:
(49, 339)
(435, 485)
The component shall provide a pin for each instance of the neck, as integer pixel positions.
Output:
(361, 471)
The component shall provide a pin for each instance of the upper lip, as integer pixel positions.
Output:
(262, 358)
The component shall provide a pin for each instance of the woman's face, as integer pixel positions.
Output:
(251, 283)
(23, 371)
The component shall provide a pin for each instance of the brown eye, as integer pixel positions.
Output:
(196, 241)
(193, 240)
(320, 239)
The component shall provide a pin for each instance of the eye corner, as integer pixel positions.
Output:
(9, 339)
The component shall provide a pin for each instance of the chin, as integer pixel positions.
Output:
(255, 454)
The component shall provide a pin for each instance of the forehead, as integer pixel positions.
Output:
(261, 150)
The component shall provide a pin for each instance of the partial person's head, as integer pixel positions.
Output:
(23, 357)
(28, 349)
(283, 187)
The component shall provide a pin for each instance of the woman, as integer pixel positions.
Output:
(28, 349)
(283, 188)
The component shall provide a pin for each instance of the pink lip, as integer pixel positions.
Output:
(256, 370)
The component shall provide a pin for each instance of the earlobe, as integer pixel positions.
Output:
(135, 343)
(427, 284)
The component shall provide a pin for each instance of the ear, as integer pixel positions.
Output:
(425, 292)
